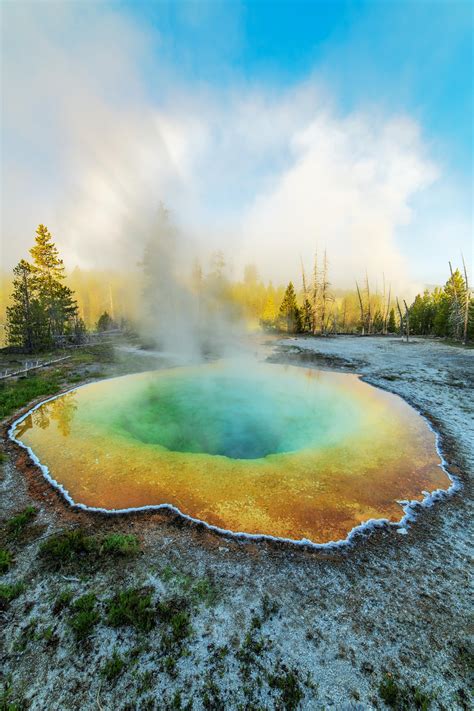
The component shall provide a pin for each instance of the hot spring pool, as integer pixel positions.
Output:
(265, 449)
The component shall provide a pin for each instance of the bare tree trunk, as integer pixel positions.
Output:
(315, 293)
(407, 319)
(362, 317)
(387, 312)
(344, 315)
(466, 305)
(324, 293)
(401, 318)
(369, 315)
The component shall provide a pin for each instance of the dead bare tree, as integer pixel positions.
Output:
(316, 292)
(344, 307)
(401, 317)
(325, 295)
(369, 313)
(362, 316)
(467, 301)
(387, 312)
(407, 319)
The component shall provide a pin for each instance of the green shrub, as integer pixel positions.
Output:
(120, 544)
(63, 600)
(113, 667)
(6, 560)
(9, 593)
(175, 614)
(289, 687)
(132, 607)
(403, 698)
(17, 393)
(68, 546)
(85, 616)
(18, 523)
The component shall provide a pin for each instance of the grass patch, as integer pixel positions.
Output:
(175, 614)
(288, 684)
(63, 548)
(98, 353)
(9, 700)
(18, 393)
(403, 698)
(132, 607)
(72, 546)
(9, 593)
(113, 667)
(17, 524)
(120, 545)
(6, 560)
(62, 601)
(85, 616)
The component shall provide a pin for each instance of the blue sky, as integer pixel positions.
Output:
(268, 128)
(407, 55)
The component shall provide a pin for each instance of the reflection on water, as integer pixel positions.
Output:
(61, 411)
(283, 451)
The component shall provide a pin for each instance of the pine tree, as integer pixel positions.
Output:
(105, 322)
(290, 316)
(56, 299)
(26, 322)
(392, 324)
(307, 317)
(456, 292)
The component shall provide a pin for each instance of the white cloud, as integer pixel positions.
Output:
(265, 175)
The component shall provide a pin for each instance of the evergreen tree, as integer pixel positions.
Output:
(105, 322)
(289, 315)
(455, 290)
(378, 324)
(42, 308)
(26, 323)
(392, 324)
(307, 317)
(56, 299)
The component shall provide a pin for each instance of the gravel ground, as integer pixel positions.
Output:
(270, 626)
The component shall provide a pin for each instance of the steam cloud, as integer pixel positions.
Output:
(93, 146)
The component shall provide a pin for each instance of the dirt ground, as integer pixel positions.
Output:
(384, 622)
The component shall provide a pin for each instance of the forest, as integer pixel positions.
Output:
(47, 307)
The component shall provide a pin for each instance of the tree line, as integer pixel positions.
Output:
(446, 312)
(45, 313)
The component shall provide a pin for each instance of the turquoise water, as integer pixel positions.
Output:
(235, 415)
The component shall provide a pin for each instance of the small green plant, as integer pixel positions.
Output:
(113, 667)
(85, 616)
(132, 607)
(9, 700)
(175, 614)
(288, 684)
(120, 544)
(16, 394)
(6, 560)
(403, 698)
(66, 547)
(204, 591)
(145, 682)
(18, 523)
(269, 607)
(62, 600)
(170, 665)
(9, 593)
